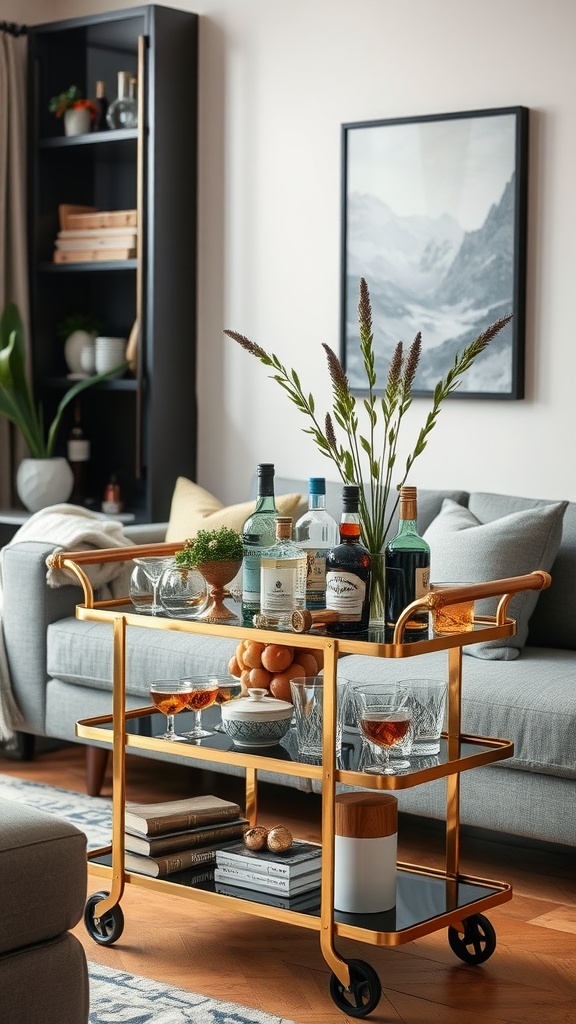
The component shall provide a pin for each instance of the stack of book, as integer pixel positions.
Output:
(175, 835)
(290, 879)
(90, 235)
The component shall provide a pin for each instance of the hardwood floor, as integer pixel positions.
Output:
(530, 979)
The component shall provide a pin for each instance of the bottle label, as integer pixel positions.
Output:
(78, 451)
(345, 593)
(315, 576)
(422, 582)
(279, 584)
(251, 578)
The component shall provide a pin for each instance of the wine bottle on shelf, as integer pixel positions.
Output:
(316, 532)
(407, 568)
(78, 453)
(123, 111)
(348, 567)
(258, 533)
(282, 576)
(100, 124)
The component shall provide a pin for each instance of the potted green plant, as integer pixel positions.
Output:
(217, 554)
(17, 404)
(78, 112)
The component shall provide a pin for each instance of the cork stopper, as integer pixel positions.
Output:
(366, 815)
(408, 503)
(283, 527)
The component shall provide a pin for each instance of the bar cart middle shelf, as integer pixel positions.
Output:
(427, 899)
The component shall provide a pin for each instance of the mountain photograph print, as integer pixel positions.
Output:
(434, 218)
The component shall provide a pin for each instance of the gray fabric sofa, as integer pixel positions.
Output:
(43, 971)
(61, 667)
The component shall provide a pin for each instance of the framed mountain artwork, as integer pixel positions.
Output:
(434, 218)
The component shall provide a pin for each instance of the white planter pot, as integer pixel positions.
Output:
(43, 482)
(79, 352)
(76, 121)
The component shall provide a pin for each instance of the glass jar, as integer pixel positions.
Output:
(123, 111)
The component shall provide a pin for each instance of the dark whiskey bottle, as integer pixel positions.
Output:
(78, 453)
(407, 568)
(348, 566)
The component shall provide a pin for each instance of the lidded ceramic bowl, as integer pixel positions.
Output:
(257, 720)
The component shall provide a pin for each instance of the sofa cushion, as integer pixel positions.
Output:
(43, 874)
(80, 653)
(463, 549)
(194, 509)
(553, 623)
(531, 701)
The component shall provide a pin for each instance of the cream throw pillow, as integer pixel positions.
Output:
(194, 509)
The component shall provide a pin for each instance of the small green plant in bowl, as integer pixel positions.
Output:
(71, 98)
(223, 545)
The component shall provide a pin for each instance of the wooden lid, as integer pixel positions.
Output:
(366, 815)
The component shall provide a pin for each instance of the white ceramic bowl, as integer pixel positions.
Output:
(257, 720)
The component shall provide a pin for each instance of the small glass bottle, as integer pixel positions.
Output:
(78, 453)
(316, 532)
(99, 123)
(282, 576)
(123, 111)
(407, 568)
(258, 533)
(348, 567)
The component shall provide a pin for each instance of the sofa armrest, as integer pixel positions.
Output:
(30, 605)
(146, 533)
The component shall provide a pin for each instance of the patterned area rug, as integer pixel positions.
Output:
(126, 999)
(116, 996)
(91, 814)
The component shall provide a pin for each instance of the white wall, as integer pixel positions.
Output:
(278, 78)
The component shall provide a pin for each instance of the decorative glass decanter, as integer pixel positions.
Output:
(123, 111)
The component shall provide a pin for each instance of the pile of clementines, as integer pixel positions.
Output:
(272, 666)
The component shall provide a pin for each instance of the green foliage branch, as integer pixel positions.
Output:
(369, 459)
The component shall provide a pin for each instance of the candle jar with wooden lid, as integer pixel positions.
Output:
(365, 845)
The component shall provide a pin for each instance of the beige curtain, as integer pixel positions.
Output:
(13, 229)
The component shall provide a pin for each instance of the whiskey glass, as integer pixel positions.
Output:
(170, 696)
(386, 724)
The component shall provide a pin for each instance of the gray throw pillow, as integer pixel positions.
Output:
(464, 550)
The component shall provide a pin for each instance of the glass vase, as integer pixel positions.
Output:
(377, 590)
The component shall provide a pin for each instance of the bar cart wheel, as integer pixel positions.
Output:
(363, 994)
(107, 929)
(478, 941)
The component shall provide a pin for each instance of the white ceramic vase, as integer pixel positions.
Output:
(79, 352)
(43, 482)
(76, 121)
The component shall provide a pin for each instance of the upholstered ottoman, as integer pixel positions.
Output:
(43, 973)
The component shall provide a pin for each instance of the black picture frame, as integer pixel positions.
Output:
(434, 217)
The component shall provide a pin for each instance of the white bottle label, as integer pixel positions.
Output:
(279, 584)
(78, 451)
(422, 582)
(345, 593)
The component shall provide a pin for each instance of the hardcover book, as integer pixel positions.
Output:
(305, 901)
(172, 842)
(267, 883)
(297, 860)
(177, 815)
(160, 867)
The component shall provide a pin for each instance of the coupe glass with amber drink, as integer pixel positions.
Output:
(202, 693)
(385, 721)
(170, 696)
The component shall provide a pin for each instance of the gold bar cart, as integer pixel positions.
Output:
(428, 899)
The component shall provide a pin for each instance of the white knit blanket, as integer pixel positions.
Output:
(69, 528)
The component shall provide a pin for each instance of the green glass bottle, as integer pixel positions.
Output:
(258, 533)
(407, 562)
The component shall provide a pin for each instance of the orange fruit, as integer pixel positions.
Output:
(245, 681)
(318, 655)
(276, 658)
(240, 653)
(260, 677)
(308, 662)
(252, 654)
(280, 685)
(233, 667)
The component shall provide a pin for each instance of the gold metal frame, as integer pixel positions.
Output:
(489, 750)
